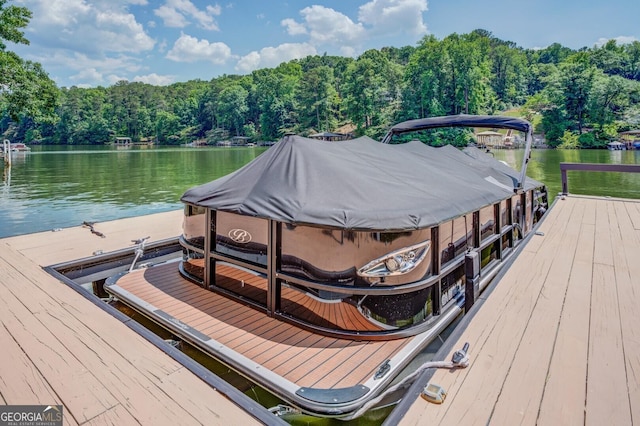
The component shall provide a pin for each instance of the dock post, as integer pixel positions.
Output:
(6, 151)
(472, 279)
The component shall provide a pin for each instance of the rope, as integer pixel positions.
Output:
(93, 231)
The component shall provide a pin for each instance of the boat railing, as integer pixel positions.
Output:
(593, 167)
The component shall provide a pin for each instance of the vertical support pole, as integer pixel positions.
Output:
(435, 269)
(476, 228)
(273, 256)
(498, 227)
(6, 149)
(209, 247)
(525, 160)
(472, 279)
(565, 183)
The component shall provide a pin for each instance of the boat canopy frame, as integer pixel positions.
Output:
(465, 120)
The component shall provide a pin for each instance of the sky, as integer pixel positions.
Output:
(89, 43)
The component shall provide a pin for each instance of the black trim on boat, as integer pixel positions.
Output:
(333, 396)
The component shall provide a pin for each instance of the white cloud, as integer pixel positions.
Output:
(394, 16)
(326, 26)
(270, 57)
(619, 40)
(249, 62)
(61, 13)
(112, 79)
(293, 28)
(91, 28)
(190, 49)
(177, 14)
(121, 33)
(155, 79)
(86, 71)
(88, 76)
(171, 17)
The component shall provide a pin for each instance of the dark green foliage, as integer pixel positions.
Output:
(25, 88)
(459, 137)
(588, 140)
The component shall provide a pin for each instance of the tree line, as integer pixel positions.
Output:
(574, 97)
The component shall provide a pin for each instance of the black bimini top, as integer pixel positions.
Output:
(462, 120)
(360, 184)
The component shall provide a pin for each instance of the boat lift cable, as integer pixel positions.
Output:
(460, 359)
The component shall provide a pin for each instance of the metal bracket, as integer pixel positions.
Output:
(333, 396)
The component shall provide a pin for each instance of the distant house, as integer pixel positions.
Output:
(329, 136)
(234, 141)
(239, 140)
(490, 139)
(122, 141)
(628, 138)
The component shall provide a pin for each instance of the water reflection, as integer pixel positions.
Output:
(545, 167)
(48, 189)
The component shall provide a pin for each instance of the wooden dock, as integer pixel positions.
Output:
(556, 342)
(553, 341)
(59, 348)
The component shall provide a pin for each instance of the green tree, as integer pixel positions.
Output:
(632, 65)
(423, 77)
(554, 54)
(232, 107)
(275, 96)
(569, 140)
(25, 88)
(569, 89)
(317, 98)
(372, 92)
(609, 98)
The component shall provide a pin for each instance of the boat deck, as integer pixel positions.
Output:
(59, 348)
(557, 340)
(299, 356)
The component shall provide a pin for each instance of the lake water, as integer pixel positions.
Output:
(61, 187)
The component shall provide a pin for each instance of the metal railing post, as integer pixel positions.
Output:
(594, 167)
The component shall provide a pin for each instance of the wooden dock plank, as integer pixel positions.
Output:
(49, 248)
(59, 355)
(493, 335)
(629, 297)
(535, 349)
(115, 416)
(94, 365)
(606, 372)
(487, 373)
(564, 394)
(55, 361)
(21, 383)
(633, 210)
(583, 348)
